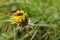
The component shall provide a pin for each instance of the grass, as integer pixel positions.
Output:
(45, 14)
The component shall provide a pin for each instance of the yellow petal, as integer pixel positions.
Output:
(13, 22)
(17, 11)
(20, 20)
(21, 11)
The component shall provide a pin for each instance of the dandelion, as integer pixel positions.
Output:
(19, 17)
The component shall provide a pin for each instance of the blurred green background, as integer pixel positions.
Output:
(44, 13)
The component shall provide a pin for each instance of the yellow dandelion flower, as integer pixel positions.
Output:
(19, 17)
